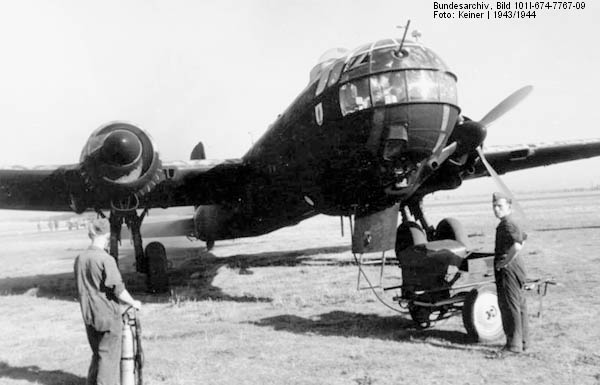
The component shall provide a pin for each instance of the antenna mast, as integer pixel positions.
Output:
(403, 36)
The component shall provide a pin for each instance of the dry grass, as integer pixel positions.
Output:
(298, 318)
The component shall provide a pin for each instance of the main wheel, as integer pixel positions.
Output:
(451, 228)
(409, 234)
(157, 280)
(481, 315)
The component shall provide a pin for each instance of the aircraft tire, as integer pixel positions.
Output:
(157, 280)
(481, 315)
(451, 228)
(409, 234)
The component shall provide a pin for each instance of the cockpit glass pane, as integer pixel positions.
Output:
(448, 92)
(382, 60)
(416, 57)
(398, 84)
(422, 85)
(355, 96)
(435, 60)
(323, 78)
(384, 43)
(357, 61)
(388, 88)
(336, 72)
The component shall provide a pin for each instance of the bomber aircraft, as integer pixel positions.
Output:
(375, 130)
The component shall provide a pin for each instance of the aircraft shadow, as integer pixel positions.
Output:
(347, 324)
(191, 275)
(34, 374)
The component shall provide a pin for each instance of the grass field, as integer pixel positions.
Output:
(298, 318)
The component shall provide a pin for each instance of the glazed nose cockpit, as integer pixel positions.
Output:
(410, 98)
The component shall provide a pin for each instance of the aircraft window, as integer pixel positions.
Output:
(384, 43)
(355, 96)
(323, 78)
(383, 59)
(336, 72)
(447, 88)
(357, 61)
(422, 85)
(388, 88)
(416, 58)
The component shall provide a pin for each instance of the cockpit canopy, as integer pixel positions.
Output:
(407, 86)
(382, 73)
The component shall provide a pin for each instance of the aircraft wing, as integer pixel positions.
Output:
(519, 157)
(66, 188)
(40, 188)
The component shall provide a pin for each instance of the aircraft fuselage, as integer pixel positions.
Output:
(358, 138)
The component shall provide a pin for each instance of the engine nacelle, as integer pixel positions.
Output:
(120, 160)
(213, 222)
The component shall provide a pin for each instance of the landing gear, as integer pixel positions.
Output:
(156, 257)
(133, 222)
(153, 261)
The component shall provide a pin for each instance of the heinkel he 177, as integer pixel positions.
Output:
(375, 130)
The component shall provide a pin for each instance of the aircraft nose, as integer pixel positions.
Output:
(121, 148)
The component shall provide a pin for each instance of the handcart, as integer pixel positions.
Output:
(442, 278)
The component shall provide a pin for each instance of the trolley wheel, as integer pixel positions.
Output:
(157, 279)
(481, 315)
(420, 315)
(409, 234)
(451, 228)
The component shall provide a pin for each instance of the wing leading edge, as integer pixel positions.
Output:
(520, 157)
(63, 188)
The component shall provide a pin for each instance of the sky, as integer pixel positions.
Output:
(221, 71)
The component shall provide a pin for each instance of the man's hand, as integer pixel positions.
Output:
(137, 305)
(126, 298)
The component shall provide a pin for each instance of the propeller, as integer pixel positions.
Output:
(506, 105)
(501, 185)
(495, 113)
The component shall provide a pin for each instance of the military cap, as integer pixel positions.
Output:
(499, 195)
(99, 226)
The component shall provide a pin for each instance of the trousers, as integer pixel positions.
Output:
(513, 309)
(106, 356)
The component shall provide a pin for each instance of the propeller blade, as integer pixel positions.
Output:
(503, 187)
(506, 105)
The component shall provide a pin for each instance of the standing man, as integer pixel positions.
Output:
(101, 289)
(510, 276)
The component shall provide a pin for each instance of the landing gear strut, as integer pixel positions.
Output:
(133, 222)
(153, 261)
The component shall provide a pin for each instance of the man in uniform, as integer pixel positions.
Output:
(510, 276)
(101, 290)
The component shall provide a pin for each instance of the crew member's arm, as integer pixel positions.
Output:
(518, 237)
(114, 282)
(126, 298)
(509, 256)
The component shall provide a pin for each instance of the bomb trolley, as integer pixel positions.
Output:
(441, 279)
